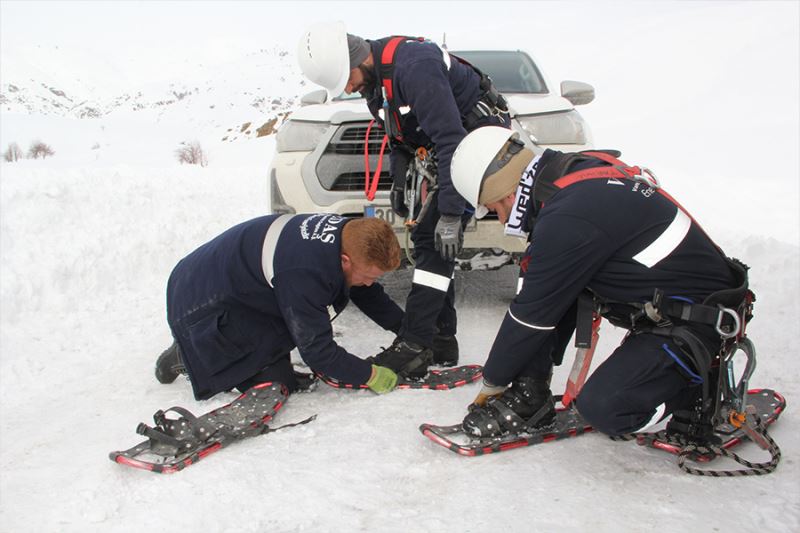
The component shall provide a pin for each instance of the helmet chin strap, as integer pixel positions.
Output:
(515, 227)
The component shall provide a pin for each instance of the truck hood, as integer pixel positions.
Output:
(334, 112)
(534, 104)
(356, 110)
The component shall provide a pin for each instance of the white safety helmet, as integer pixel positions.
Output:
(487, 166)
(323, 56)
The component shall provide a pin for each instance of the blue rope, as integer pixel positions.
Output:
(695, 378)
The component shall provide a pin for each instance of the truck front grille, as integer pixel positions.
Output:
(341, 166)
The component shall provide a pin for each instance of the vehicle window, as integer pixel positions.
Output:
(511, 71)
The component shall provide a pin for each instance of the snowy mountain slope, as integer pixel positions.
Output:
(212, 102)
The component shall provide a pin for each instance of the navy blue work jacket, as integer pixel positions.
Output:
(230, 323)
(618, 238)
(439, 99)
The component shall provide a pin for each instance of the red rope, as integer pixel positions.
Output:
(370, 188)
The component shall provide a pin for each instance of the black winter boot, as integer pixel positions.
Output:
(169, 365)
(526, 405)
(405, 358)
(445, 350)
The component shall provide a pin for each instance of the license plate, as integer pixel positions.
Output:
(384, 212)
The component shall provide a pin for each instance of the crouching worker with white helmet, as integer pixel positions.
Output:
(241, 302)
(603, 238)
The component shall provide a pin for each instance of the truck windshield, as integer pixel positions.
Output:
(511, 71)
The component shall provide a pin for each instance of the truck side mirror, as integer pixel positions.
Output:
(314, 97)
(577, 92)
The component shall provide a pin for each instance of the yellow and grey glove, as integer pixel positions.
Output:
(383, 380)
(488, 391)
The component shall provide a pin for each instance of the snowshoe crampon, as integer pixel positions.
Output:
(174, 444)
(444, 379)
(568, 423)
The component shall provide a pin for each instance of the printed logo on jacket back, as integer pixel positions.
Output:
(321, 227)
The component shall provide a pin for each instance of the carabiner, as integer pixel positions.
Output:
(650, 179)
(736, 321)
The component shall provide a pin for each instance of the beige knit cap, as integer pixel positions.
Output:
(504, 181)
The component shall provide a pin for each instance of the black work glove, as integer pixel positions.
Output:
(405, 358)
(398, 167)
(397, 199)
(449, 236)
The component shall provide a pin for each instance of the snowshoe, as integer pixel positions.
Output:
(567, 423)
(174, 444)
(448, 378)
(765, 405)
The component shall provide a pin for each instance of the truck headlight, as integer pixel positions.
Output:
(555, 128)
(298, 136)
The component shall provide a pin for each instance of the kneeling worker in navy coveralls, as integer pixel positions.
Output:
(240, 303)
(603, 237)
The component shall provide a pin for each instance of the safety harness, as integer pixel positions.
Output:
(490, 103)
(725, 312)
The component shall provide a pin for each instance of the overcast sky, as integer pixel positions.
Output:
(569, 37)
(213, 29)
(716, 75)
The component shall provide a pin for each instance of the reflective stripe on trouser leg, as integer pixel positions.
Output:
(429, 279)
(431, 290)
(656, 418)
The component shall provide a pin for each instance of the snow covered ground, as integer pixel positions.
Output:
(89, 237)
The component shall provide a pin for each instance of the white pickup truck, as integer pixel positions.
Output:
(319, 161)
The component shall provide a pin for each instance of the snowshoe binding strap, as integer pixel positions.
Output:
(199, 429)
(498, 418)
(268, 429)
(170, 437)
(512, 422)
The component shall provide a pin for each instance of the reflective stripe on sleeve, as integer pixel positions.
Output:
(268, 250)
(429, 279)
(666, 242)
